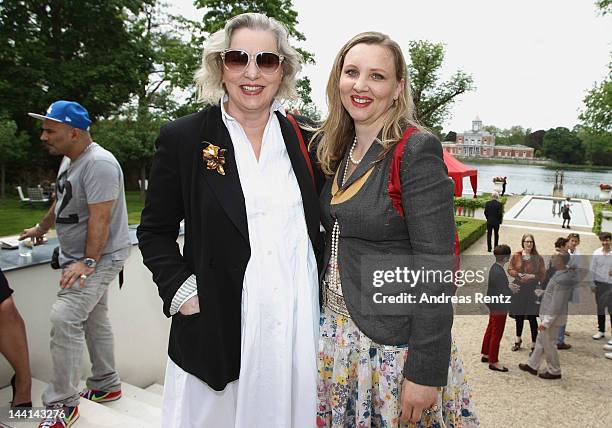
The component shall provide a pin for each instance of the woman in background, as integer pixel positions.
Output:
(528, 270)
(14, 346)
(498, 285)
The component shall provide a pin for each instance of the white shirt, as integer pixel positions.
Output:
(601, 266)
(280, 307)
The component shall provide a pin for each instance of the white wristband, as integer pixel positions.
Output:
(40, 228)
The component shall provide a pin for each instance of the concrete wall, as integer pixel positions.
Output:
(141, 329)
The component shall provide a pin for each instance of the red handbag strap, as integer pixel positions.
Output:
(395, 185)
(303, 148)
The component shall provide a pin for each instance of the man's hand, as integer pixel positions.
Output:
(35, 233)
(416, 398)
(191, 306)
(538, 292)
(73, 272)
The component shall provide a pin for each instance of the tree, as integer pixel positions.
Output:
(597, 111)
(433, 99)
(597, 146)
(535, 139)
(596, 127)
(516, 135)
(563, 145)
(74, 49)
(169, 61)
(12, 148)
(130, 139)
(451, 136)
(507, 137)
(605, 6)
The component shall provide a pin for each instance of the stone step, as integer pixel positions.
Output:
(155, 388)
(149, 397)
(131, 404)
(91, 415)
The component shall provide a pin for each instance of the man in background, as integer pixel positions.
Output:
(494, 213)
(90, 217)
(601, 269)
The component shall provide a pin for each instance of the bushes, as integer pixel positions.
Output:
(598, 207)
(470, 230)
(475, 203)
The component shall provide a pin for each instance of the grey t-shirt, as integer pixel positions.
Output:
(95, 176)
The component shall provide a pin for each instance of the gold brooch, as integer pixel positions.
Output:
(214, 158)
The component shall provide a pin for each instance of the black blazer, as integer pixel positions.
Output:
(494, 212)
(216, 247)
(498, 285)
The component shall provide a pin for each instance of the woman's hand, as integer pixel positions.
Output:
(191, 306)
(514, 287)
(415, 399)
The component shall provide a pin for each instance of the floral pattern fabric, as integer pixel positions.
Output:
(360, 382)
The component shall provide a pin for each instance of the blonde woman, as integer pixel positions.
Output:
(378, 368)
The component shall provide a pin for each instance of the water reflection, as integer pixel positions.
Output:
(538, 180)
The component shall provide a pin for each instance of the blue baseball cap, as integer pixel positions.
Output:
(68, 112)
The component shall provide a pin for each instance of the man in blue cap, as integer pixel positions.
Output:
(90, 218)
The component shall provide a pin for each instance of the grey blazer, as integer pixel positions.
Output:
(373, 234)
(553, 308)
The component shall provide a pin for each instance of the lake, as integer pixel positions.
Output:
(538, 180)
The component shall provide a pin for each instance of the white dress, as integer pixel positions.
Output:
(280, 308)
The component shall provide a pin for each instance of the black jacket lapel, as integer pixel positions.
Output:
(226, 187)
(304, 179)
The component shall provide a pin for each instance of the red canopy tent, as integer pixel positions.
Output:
(457, 170)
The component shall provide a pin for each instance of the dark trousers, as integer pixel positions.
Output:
(603, 297)
(493, 335)
(566, 218)
(495, 229)
(533, 325)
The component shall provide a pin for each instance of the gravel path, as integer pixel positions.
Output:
(582, 398)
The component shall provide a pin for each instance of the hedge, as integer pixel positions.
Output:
(597, 209)
(475, 203)
(470, 230)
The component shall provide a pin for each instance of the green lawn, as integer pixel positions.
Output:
(16, 217)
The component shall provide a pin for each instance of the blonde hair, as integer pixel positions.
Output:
(209, 77)
(338, 129)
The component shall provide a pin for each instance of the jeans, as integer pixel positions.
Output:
(603, 297)
(561, 335)
(79, 316)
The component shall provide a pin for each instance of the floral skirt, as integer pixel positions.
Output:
(360, 382)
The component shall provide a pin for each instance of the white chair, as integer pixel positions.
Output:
(22, 197)
(36, 196)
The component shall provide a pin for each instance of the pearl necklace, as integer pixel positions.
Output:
(356, 162)
(333, 284)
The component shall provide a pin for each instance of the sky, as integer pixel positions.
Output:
(532, 61)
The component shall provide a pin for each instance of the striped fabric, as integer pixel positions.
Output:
(187, 291)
